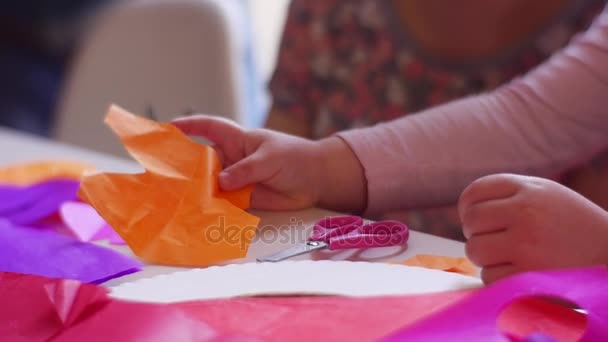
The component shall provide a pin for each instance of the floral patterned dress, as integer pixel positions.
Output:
(348, 63)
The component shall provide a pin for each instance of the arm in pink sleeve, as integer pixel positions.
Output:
(549, 120)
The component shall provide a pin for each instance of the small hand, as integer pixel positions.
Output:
(517, 223)
(288, 172)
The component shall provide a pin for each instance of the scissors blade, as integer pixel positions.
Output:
(294, 251)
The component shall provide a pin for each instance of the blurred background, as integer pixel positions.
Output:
(329, 65)
(304, 67)
(64, 61)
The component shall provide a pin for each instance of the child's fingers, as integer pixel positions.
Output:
(489, 188)
(220, 131)
(489, 249)
(251, 170)
(222, 157)
(487, 217)
(264, 198)
(494, 273)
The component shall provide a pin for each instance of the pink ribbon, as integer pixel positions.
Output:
(474, 318)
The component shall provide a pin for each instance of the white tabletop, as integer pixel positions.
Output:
(278, 230)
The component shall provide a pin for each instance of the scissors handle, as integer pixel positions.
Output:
(377, 234)
(330, 227)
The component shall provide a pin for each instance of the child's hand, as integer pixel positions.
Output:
(289, 172)
(516, 223)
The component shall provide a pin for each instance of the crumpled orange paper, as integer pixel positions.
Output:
(438, 262)
(174, 213)
(39, 171)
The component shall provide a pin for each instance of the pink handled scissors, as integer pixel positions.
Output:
(345, 232)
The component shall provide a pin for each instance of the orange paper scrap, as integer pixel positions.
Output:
(174, 213)
(39, 171)
(444, 263)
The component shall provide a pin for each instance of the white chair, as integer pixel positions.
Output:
(171, 56)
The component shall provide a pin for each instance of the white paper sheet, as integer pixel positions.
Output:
(292, 278)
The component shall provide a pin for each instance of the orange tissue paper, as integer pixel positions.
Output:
(444, 263)
(43, 170)
(174, 213)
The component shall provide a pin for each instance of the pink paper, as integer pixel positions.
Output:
(107, 233)
(84, 223)
(340, 319)
(34, 309)
(38, 309)
(327, 319)
(474, 319)
(81, 219)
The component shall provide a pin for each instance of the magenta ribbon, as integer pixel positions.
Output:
(474, 318)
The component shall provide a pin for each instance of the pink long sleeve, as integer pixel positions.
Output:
(551, 119)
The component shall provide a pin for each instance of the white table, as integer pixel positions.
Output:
(278, 230)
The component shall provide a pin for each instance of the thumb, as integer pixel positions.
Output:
(250, 170)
